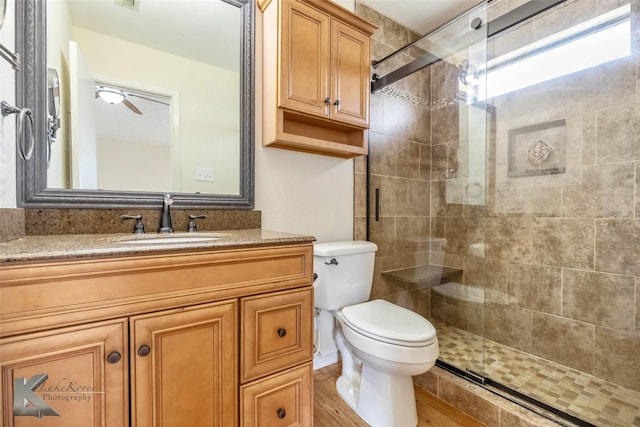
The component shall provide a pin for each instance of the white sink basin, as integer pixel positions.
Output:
(158, 239)
(161, 240)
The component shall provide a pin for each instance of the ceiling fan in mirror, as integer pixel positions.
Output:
(114, 96)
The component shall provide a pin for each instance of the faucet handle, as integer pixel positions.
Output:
(192, 227)
(138, 228)
(168, 200)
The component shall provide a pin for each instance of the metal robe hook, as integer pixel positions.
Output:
(23, 113)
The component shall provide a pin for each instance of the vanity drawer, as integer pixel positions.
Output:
(280, 400)
(276, 332)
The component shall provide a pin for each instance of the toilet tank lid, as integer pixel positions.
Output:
(343, 248)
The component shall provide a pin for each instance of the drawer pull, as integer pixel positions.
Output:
(281, 413)
(114, 357)
(144, 350)
(282, 332)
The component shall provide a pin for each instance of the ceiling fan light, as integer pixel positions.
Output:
(111, 96)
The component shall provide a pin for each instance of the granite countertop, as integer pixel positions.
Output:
(60, 247)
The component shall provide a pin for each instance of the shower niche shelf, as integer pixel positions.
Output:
(316, 78)
(424, 276)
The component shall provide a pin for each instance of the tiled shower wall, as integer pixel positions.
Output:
(562, 254)
(561, 262)
(400, 156)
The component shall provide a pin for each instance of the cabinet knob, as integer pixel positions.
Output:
(144, 350)
(337, 103)
(114, 357)
(281, 413)
(327, 100)
(282, 332)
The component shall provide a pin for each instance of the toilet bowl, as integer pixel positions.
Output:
(382, 345)
(393, 344)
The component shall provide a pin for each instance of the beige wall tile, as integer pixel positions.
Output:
(589, 138)
(383, 233)
(605, 86)
(509, 238)
(404, 197)
(360, 195)
(563, 242)
(535, 287)
(638, 306)
(509, 419)
(381, 151)
(360, 229)
(407, 155)
(427, 381)
(469, 402)
(564, 341)
(616, 357)
(571, 14)
(439, 205)
(618, 134)
(595, 198)
(442, 119)
(425, 162)
(407, 234)
(603, 299)
(618, 246)
(439, 162)
(508, 325)
(637, 190)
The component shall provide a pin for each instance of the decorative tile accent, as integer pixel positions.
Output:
(423, 103)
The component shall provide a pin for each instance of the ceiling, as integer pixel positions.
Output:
(421, 16)
(203, 30)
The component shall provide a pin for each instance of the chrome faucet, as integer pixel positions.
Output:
(165, 219)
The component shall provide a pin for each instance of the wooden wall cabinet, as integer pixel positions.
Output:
(162, 341)
(316, 79)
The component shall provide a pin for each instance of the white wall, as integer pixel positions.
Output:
(7, 124)
(207, 136)
(300, 192)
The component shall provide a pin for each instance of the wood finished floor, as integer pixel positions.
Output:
(329, 410)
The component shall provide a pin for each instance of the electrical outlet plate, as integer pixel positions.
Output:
(129, 4)
(204, 174)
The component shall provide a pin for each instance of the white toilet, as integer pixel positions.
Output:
(382, 345)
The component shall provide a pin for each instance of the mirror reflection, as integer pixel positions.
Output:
(149, 95)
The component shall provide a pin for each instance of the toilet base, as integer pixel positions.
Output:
(386, 400)
(380, 399)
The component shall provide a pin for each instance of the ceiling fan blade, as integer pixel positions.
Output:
(148, 99)
(131, 106)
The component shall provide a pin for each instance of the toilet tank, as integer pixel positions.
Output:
(345, 273)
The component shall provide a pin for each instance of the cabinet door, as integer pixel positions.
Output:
(74, 376)
(350, 71)
(304, 59)
(184, 367)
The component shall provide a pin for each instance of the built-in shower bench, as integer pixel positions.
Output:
(424, 276)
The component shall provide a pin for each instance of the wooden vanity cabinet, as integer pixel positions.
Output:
(80, 373)
(184, 367)
(159, 340)
(316, 78)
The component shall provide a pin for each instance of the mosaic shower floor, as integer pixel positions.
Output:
(582, 395)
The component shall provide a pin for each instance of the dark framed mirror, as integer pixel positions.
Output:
(36, 188)
(3, 11)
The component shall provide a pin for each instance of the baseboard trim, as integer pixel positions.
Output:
(323, 360)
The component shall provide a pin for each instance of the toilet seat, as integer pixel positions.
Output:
(389, 323)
